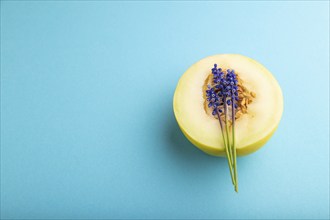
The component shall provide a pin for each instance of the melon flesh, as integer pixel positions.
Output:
(252, 130)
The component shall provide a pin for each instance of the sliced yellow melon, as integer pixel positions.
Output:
(252, 129)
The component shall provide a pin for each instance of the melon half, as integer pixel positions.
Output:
(252, 129)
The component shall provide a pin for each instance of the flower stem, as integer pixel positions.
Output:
(227, 132)
(234, 146)
(230, 164)
(230, 150)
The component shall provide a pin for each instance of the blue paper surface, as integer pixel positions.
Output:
(87, 127)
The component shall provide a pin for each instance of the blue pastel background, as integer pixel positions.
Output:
(87, 127)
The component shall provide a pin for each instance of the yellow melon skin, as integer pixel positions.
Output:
(253, 130)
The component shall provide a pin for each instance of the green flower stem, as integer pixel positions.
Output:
(234, 146)
(227, 132)
(230, 164)
(233, 158)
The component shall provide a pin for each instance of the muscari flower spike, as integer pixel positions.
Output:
(214, 94)
(231, 88)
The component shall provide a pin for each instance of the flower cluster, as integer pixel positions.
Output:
(213, 99)
(224, 89)
(230, 85)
